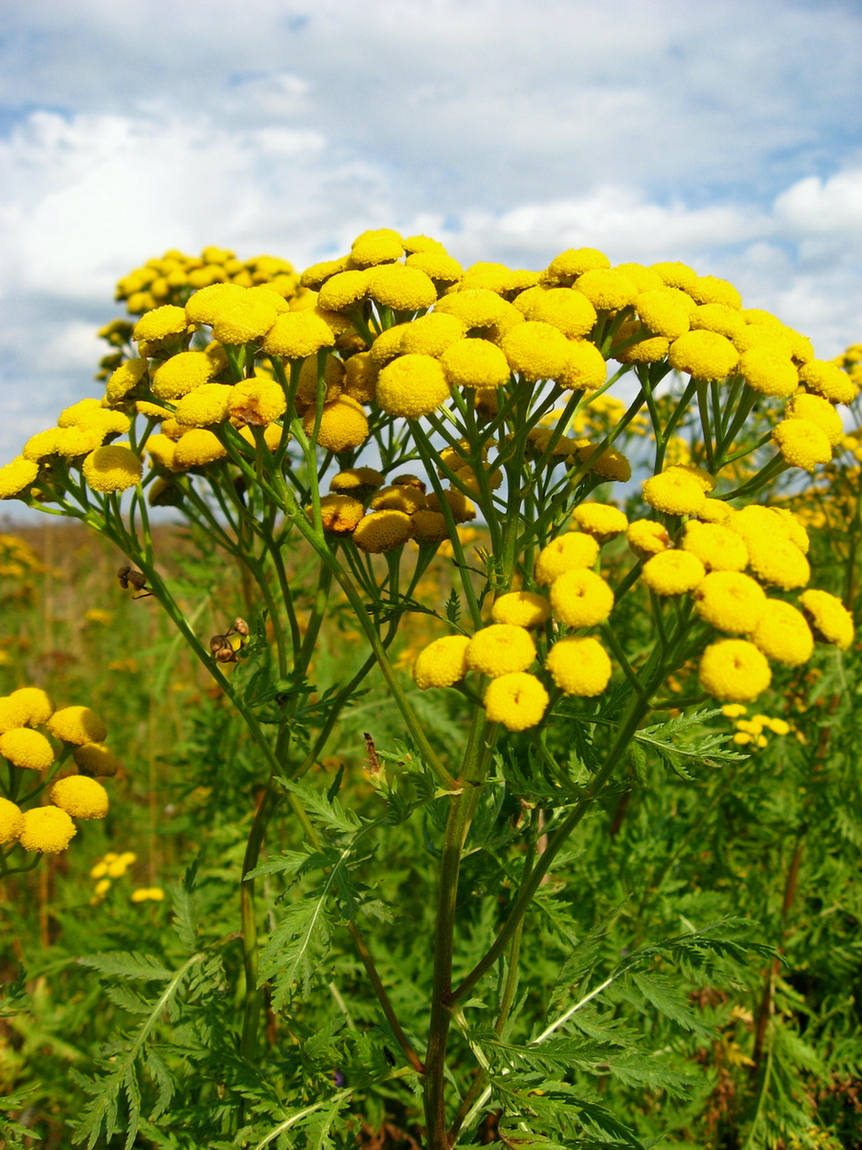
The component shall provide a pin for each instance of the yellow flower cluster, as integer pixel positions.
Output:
(503, 651)
(711, 565)
(750, 732)
(50, 829)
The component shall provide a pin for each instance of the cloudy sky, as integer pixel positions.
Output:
(724, 133)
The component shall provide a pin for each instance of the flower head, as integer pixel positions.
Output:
(816, 410)
(343, 425)
(673, 572)
(248, 317)
(17, 476)
(501, 649)
(567, 552)
(383, 531)
(81, 797)
(376, 246)
(824, 378)
(429, 526)
(730, 601)
(47, 830)
(442, 663)
(78, 725)
(11, 821)
(769, 370)
(574, 262)
(197, 448)
(111, 469)
(802, 443)
(412, 385)
(36, 706)
(579, 666)
(96, 759)
(521, 609)
(536, 350)
(662, 313)
(735, 670)
(647, 537)
(297, 335)
(581, 598)
(517, 700)
(256, 401)
(474, 363)
(717, 547)
(675, 492)
(782, 634)
(26, 748)
(161, 325)
(182, 373)
(829, 617)
(585, 368)
(600, 520)
(777, 560)
(204, 406)
(125, 379)
(703, 354)
(339, 513)
(566, 309)
(401, 288)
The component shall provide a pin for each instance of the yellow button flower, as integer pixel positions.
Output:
(357, 481)
(474, 363)
(412, 385)
(401, 288)
(673, 572)
(429, 526)
(769, 370)
(727, 321)
(432, 334)
(360, 377)
(26, 748)
(110, 469)
(81, 797)
(518, 701)
(78, 725)
(439, 265)
(824, 378)
(711, 289)
(17, 477)
(13, 714)
(256, 402)
(383, 531)
(566, 309)
(579, 666)
(501, 649)
(816, 410)
(47, 830)
(600, 520)
(339, 513)
(204, 406)
(574, 262)
(730, 601)
(585, 368)
(717, 547)
(96, 759)
(735, 670)
(829, 617)
(676, 274)
(463, 511)
(183, 373)
(521, 609)
(36, 706)
(782, 634)
(161, 325)
(647, 537)
(197, 448)
(376, 246)
(777, 560)
(442, 663)
(703, 354)
(247, 318)
(125, 379)
(662, 314)
(343, 425)
(567, 552)
(581, 598)
(536, 350)
(802, 443)
(297, 335)
(674, 492)
(343, 290)
(11, 821)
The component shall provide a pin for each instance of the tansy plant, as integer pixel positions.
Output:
(362, 413)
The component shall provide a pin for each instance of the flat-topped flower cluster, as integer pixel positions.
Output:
(236, 363)
(33, 761)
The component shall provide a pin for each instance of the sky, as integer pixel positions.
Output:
(722, 133)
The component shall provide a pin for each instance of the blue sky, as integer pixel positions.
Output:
(727, 134)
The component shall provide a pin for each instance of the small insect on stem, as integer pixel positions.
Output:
(373, 761)
(129, 577)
